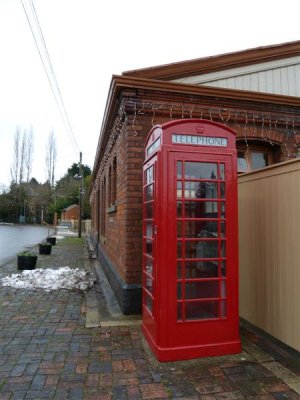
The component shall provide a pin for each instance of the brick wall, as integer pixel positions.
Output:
(119, 229)
(122, 240)
(72, 213)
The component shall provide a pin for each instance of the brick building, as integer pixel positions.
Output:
(71, 212)
(255, 92)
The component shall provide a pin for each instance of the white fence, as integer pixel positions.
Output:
(73, 224)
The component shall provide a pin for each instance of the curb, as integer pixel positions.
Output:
(92, 316)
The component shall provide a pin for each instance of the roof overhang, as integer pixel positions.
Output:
(120, 84)
(218, 63)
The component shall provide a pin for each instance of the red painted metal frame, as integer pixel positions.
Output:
(172, 332)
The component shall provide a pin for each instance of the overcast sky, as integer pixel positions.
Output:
(88, 41)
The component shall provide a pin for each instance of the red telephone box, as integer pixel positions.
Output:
(190, 242)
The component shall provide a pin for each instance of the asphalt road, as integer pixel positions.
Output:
(15, 238)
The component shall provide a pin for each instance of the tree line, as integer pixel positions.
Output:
(27, 200)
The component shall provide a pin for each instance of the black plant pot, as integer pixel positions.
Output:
(51, 240)
(27, 262)
(45, 248)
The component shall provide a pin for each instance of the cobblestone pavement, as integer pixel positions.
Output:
(46, 352)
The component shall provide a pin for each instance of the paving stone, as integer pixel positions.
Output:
(235, 395)
(18, 395)
(61, 394)
(133, 393)
(76, 394)
(153, 391)
(51, 381)
(182, 390)
(156, 377)
(47, 352)
(81, 368)
(99, 367)
(40, 394)
(208, 386)
(31, 368)
(18, 370)
(28, 358)
(6, 396)
(69, 366)
(282, 372)
(292, 395)
(38, 382)
(280, 396)
(119, 392)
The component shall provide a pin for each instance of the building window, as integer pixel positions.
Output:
(114, 181)
(112, 188)
(109, 187)
(103, 207)
(253, 157)
(98, 212)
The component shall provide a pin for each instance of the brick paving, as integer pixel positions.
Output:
(46, 352)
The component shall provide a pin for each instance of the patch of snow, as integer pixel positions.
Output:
(66, 233)
(59, 237)
(64, 278)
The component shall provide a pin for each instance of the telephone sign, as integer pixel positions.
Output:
(190, 251)
(200, 140)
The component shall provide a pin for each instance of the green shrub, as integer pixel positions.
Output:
(27, 253)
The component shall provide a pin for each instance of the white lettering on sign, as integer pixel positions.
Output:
(199, 140)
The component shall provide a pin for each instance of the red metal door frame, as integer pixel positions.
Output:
(149, 270)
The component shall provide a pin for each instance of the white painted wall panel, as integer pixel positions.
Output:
(238, 82)
(269, 81)
(292, 80)
(262, 81)
(284, 80)
(296, 79)
(254, 82)
(276, 81)
(276, 77)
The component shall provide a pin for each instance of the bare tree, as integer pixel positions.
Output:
(51, 158)
(14, 170)
(23, 156)
(29, 153)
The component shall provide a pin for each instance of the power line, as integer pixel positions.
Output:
(48, 67)
(51, 69)
(53, 74)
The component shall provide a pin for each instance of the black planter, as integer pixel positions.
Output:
(45, 248)
(51, 240)
(27, 262)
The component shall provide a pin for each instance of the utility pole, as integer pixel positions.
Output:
(80, 194)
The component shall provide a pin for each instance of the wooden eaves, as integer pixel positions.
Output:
(219, 62)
